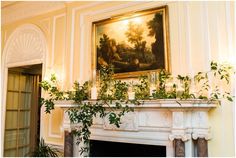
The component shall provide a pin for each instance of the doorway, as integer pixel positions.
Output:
(22, 121)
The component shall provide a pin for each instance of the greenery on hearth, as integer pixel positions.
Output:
(113, 97)
(44, 150)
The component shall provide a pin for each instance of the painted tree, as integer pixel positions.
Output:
(156, 29)
(135, 37)
(107, 49)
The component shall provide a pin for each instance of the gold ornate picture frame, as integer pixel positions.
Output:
(134, 44)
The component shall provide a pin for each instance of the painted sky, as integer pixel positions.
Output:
(116, 30)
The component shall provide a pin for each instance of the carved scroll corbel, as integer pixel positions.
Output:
(183, 137)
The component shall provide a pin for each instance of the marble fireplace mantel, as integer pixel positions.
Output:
(171, 123)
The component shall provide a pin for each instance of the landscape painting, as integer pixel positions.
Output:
(133, 44)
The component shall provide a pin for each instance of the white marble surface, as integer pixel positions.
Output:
(154, 122)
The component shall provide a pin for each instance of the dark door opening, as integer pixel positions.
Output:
(117, 149)
(22, 123)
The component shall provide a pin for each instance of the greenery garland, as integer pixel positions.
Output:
(113, 99)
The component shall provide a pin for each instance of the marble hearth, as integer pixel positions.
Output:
(180, 125)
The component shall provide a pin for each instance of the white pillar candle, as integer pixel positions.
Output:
(93, 93)
(131, 95)
(94, 77)
(179, 92)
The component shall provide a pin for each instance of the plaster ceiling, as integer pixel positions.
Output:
(16, 10)
(7, 3)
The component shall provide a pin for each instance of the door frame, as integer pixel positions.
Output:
(23, 62)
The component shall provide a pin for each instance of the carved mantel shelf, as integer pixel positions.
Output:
(155, 122)
(157, 103)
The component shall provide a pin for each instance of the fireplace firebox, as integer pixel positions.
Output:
(118, 149)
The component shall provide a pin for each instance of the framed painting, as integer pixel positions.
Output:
(134, 44)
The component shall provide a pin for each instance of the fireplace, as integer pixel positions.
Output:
(117, 149)
(155, 128)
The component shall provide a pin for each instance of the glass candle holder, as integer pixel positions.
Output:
(131, 93)
(179, 90)
(169, 85)
(94, 92)
(152, 76)
(152, 89)
(153, 82)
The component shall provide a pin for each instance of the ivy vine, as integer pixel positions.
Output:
(113, 101)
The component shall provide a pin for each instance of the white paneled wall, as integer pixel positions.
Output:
(199, 33)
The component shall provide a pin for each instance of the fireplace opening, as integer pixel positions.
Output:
(117, 149)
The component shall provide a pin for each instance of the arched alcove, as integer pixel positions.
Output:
(25, 46)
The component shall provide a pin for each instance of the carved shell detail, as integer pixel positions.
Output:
(25, 45)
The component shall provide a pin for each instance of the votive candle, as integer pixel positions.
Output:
(152, 89)
(131, 95)
(179, 92)
(168, 87)
(94, 93)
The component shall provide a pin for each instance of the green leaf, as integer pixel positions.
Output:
(230, 98)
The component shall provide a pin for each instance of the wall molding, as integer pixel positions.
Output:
(188, 39)
(72, 37)
(46, 25)
(50, 133)
(23, 10)
(25, 46)
(53, 36)
(86, 34)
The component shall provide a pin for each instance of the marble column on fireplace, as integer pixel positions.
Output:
(179, 134)
(187, 122)
(68, 136)
(201, 132)
(68, 144)
(188, 125)
(71, 145)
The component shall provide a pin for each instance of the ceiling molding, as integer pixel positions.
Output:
(5, 4)
(17, 11)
